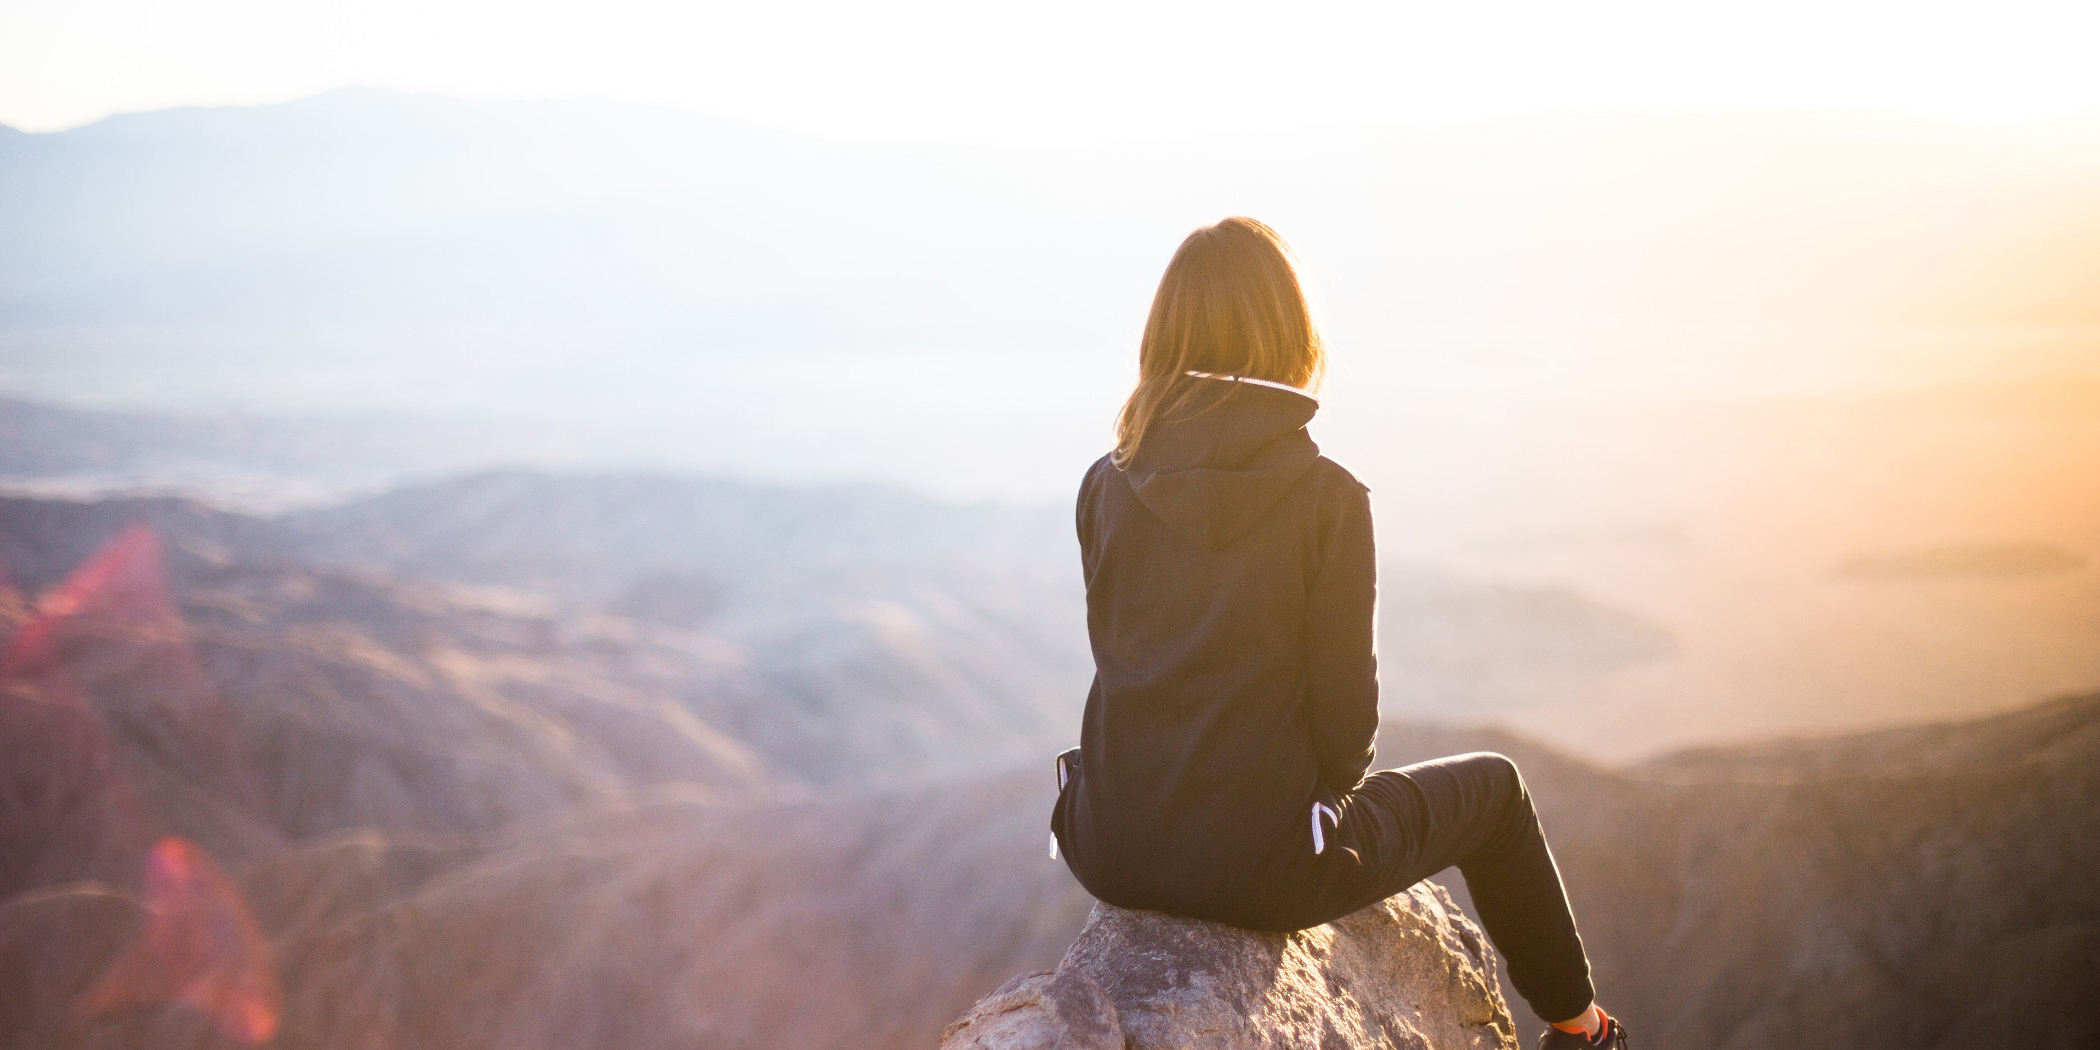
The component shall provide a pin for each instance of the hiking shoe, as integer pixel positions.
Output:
(1613, 1037)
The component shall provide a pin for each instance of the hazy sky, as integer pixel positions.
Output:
(1071, 71)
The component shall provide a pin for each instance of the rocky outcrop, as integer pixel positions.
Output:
(1410, 971)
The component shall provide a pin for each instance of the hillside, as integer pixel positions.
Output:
(254, 462)
(485, 811)
(372, 755)
(1930, 886)
(866, 922)
(768, 615)
(1721, 911)
(874, 628)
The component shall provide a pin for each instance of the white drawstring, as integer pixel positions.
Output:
(1319, 836)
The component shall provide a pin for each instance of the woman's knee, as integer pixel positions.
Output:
(1505, 780)
(1498, 767)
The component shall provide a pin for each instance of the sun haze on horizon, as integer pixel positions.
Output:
(941, 70)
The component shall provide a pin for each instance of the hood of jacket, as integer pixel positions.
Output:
(1218, 466)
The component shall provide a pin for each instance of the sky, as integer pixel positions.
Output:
(1075, 71)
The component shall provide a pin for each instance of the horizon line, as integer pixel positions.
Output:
(2070, 119)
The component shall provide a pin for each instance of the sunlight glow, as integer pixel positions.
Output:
(1083, 71)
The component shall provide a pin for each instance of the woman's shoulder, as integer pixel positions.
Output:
(1335, 477)
(1100, 469)
(1341, 501)
(1090, 494)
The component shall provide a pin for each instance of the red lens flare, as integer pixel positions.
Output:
(122, 589)
(200, 948)
(110, 637)
(71, 810)
(108, 643)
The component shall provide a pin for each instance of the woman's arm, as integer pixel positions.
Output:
(1341, 663)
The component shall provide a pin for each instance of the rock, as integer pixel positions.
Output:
(1410, 971)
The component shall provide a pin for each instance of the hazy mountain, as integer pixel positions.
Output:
(847, 605)
(588, 538)
(831, 667)
(600, 288)
(877, 629)
(1988, 561)
(376, 756)
(259, 704)
(1465, 649)
(386, 235)
(851, 923)
(1930, 886)
(253, 462)
(487, 815)
(368, 249)
(529, 759)
(1851, 891)
(1629, 584)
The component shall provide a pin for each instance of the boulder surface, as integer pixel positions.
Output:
(1408, 972)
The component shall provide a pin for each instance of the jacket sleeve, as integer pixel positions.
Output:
(1340, 643)
(1083, 510)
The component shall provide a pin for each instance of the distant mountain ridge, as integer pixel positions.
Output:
(122, 451)
(1927, 886)
(821, 645)
(590, 535)
(486, 245)
(789, 572)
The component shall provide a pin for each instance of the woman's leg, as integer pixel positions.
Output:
(1474, 812)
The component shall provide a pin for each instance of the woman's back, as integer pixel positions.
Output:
(1230, 595)
(1229, 573)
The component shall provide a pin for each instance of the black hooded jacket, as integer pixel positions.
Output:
(1230, 583)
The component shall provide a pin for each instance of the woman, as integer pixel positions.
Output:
(1230, 592)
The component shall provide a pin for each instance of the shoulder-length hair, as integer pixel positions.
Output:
(1229, 305)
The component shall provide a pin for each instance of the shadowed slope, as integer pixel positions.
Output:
(862, 923)
(1932, 886)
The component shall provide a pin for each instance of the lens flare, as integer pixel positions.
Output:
(109, 637)
(201, 948)
(123, 587)
(68, 800)
(110, 641)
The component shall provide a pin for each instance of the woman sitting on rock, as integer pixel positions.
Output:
(1230, 587)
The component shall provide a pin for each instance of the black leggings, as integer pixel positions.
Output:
(1474, 812)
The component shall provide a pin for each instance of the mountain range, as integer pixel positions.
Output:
(677, 291)
(468, 574)
(488, 810)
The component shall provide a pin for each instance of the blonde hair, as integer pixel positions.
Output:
(1230, 304)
